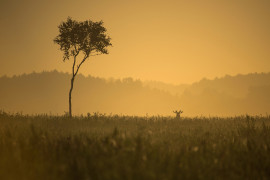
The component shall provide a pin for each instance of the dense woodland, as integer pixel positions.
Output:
(47, 92)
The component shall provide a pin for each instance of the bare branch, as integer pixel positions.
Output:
(78, 67)
(76, 50)
(73, 66)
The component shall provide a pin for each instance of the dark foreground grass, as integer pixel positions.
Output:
(121, 147)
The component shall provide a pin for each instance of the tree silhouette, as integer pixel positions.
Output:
(87, 38)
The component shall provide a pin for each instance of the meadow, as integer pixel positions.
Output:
(112, 147)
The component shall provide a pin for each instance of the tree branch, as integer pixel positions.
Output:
(96, 54)
(76, 50)
(73, 66)
(78, 67)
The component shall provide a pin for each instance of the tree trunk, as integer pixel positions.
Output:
(74, 73)
(70, 92)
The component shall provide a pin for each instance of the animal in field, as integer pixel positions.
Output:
(178, 113)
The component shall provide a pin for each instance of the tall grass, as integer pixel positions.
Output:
(125, 147)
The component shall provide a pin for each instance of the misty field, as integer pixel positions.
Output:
(124, 147)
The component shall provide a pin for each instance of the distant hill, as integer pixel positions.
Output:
(47, 92)
(229, 95)
(173, 89)
(236, 86)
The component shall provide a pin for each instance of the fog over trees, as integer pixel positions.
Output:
(46, 93)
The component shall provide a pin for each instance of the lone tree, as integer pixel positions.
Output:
(86, 38)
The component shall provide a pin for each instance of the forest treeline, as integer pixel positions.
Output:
(47, 92)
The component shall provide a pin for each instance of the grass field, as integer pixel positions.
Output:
(124, 147)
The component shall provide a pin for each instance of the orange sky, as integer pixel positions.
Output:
(175, 41)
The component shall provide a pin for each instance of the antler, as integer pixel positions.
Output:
(178, 112)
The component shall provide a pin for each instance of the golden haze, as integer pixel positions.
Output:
(171, 41)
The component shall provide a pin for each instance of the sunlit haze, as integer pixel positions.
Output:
(173, 41)
(134, 89)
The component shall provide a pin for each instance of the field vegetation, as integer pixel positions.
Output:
(129, 147)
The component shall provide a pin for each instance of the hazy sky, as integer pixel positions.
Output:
(176, 41)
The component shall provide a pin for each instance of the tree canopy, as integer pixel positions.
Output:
(87, 36)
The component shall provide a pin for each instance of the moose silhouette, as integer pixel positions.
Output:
(177, 113)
